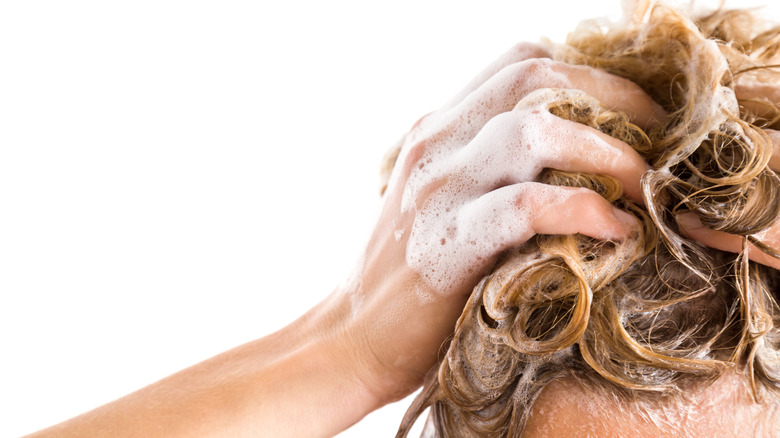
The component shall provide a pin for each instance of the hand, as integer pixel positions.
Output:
(691, 226)
(463, 191)
(759, 98)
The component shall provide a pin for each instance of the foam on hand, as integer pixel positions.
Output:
(479, 199)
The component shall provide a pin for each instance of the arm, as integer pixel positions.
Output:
(290, 382)
(441, 228)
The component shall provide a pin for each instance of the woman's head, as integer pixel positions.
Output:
(652, 315)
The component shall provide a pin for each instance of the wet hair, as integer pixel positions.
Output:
(648, 316)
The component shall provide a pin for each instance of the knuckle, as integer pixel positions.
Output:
(500, 121)
(530, 68)
(591, 200)
(527, 50)
(527, 192)
(587, 195)
(522, 78)
(531, 194)
(416, 151)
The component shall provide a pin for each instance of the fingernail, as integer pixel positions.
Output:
(689, 221)
(628, 219)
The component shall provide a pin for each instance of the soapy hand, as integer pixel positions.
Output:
(463, 190)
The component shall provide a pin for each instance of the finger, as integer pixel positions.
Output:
(511, 215)
(450, 245)
(583, 211)
(506, 88)
(591, 151)
(774, 162)
(515, 146)
(519, 52)
(758, 98)
(691, 227)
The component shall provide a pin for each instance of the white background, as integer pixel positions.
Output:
(181, 177)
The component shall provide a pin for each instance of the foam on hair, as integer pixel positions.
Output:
(650, 315)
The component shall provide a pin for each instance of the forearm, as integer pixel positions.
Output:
(295, 382)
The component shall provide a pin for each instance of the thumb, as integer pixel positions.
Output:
(691, 226)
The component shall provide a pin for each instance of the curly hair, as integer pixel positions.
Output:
(646, 316)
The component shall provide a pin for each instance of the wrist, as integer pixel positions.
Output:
(357, 343)
(392, 341)
(333, 336)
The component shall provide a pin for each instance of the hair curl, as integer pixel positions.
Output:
(647, 315)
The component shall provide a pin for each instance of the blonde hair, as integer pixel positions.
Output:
(647, 315)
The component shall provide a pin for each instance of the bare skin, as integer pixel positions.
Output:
(725, 409)
(693, 228)
(571, 408)
(373, 339)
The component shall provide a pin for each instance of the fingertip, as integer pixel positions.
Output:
(690, 226)
(689, 222)
(658, 115)
(627, 220)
